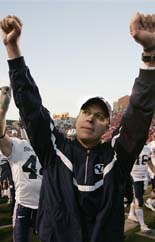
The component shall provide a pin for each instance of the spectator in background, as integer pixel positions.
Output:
(6, 175)
(71, 134)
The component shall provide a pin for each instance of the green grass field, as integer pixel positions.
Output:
(131, 236)
(6, 235)
(5, 217)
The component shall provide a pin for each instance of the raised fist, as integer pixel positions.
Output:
(142, 28)
(11, 29)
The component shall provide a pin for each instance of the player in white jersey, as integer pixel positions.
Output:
(139, 174)
(150, 202)
(26, 172)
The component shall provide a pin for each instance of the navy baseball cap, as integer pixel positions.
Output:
(102, 102)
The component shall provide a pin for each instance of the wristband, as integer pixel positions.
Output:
(148, 49)
(1, 137)
(148, 58)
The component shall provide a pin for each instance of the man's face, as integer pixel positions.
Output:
(91, 124)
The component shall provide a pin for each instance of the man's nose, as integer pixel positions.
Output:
(91, 117)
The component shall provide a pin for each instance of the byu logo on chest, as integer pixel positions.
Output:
(98, 169)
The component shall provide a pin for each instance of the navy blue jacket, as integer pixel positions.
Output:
(82, 192)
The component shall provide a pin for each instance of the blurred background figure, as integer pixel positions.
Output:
(150, 202)
(71, 134)
(139, 174)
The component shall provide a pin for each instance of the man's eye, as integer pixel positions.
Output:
(86, 112)
(100, 116)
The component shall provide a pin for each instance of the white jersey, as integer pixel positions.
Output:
(140, 169)
(26, 171)
(152, 148)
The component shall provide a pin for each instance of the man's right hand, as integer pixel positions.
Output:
(11, 27)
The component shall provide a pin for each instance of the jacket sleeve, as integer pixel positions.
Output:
(133, 132)
(43, 135)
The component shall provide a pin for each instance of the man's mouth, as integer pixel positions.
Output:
(87, 128)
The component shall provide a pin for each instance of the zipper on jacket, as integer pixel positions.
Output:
(86, 167)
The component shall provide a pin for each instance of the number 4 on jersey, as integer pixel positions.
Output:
(30, 166)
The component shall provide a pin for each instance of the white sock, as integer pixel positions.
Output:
(140, 215)
(132, 209)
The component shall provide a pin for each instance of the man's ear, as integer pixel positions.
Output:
(76, 120)
(108, 126)
(107, 122)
